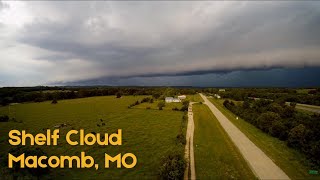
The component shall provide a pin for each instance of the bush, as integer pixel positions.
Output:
(54, 101)
(225, 103)
(297, 136)
(4, 118)
(161, 104)
(148, 107)
(184, 108)
(175, 109)
(181, 138)
(279, 130)
(265, 120)
(173, 167)
(118, 95)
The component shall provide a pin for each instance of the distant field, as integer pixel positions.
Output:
(216, 156)
(303, 91)
(194, 98)
(289, 160)
(149, 134)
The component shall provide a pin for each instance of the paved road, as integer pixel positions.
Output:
(307, 107)
(189, 152)
(262, 166)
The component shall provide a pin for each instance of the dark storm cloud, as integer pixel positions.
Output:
(306, 77)
(111, 40)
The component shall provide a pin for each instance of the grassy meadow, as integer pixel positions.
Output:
(149, 134)
(216, 156)
(194, 98)
(292, 162)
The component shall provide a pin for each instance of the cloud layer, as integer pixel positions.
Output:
(46, 42)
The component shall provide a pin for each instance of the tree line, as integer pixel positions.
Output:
(43, 93)
(299, 130)
(285, 94)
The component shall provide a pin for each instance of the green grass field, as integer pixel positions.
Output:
(289, 160)
(149, 134)
(216, 156)
(303, 91)
(194, 98)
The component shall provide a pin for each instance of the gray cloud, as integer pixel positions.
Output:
(149, 39)
(3, 5)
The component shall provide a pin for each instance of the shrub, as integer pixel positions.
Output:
(181, 138)
(148, 107)
(175, 109)
(184, 108)
(118, 95)
(173, 166)
(4, 118)
(265, 120)
(279, 130)
(54, 101)
(161, 104)
(225, 103)
(297, 136)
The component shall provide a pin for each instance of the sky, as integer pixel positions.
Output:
(160, 43)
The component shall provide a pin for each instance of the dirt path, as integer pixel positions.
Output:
(262, 166)
(189, 153)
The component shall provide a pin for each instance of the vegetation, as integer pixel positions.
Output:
(293, 162)
(4, 118)
(284, 94)
(194, 98)
(216, 156)
(173, 166)
(299, 130)
(39, 94)
(54, 101)
(161, 104)
(150, 135)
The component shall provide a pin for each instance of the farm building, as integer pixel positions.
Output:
(171, 99)
(182, 97)
(222, 90)
(217, 96)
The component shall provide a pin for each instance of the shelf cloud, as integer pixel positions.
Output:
(70, 42)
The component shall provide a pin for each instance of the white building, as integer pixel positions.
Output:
(182, 97)
(222, 90)
(217, 96)
(171, 99)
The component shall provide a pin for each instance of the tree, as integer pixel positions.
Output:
(156, 95)
(297, 136)
(246, 105)
(279, 130)
(265, 120)
(161, 104)
(54, 101)
(225, 103)
(293, 104)
(4, 118)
